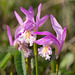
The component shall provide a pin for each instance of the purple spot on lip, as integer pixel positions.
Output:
(18, 35)
(23, 31)
(31, 34)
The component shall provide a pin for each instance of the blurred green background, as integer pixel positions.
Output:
(63, 10)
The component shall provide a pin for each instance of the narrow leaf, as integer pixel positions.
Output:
(20, 63)
(23, 63)
(5, 60)
(2, 56)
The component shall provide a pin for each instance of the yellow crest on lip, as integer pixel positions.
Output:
(28, 34)
(45, 49)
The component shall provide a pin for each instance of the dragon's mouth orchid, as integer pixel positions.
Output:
(50, 39)
(18, 45)
(26, 29)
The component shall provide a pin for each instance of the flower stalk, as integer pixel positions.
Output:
(26, 60)
(36, 57)
(12, 66)
(57, 65)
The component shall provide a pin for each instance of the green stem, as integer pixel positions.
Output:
(56, 69)
(12, 66)
(26, 66)
(57, 66)
(36, 57)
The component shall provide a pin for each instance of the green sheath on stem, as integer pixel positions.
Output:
(36, 57)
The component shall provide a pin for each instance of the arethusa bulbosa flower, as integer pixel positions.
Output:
(50, 39)
(29, 26)
(17, 43)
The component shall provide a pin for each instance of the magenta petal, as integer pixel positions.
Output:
(47, 40)
(17, 32)
(54, 39)
(63, 39)
(60, 48)
(54, 22)
(27, 13)
(39, 11)
(19, 19)
(64, 33)
(56, 26)
(9, 35)
(29, 25)
(31, 10)
(44, 33)
(44, 41)
(49, 36)
(42, 20)
(38, 17)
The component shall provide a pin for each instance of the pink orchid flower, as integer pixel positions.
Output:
(26, 28)
(22, 46)
(50, 39)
